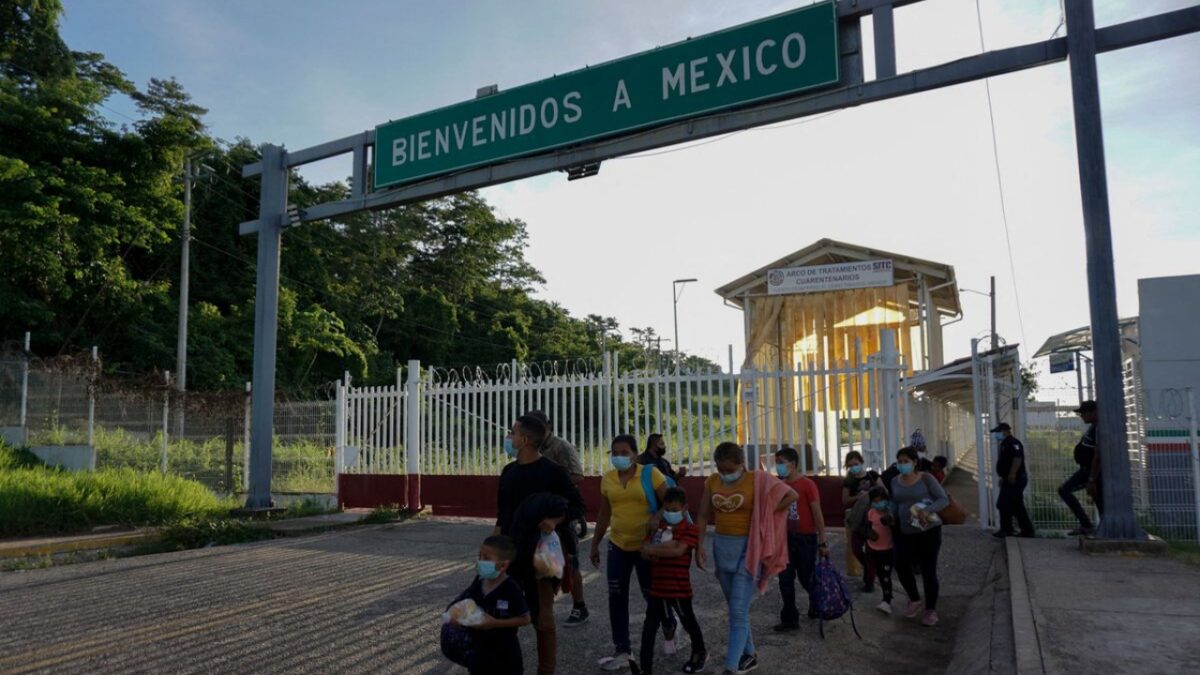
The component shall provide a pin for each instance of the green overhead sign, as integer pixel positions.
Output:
(765, 59)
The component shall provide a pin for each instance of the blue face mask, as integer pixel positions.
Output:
(509, 448)
(781, 470)
(622, 462)
(905, 468)
(673, 517)
(856, 469)
(486, 569)
(998, 436)
(881, 505)
(730, 478)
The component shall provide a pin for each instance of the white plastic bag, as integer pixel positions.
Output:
(465, 611)
(548, 559)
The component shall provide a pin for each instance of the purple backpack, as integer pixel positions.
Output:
(833, 597)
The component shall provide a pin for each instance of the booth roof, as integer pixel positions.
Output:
(953, 381)
(828, 251)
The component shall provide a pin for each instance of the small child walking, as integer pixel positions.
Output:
(496, 649)
(879, 543)
(669, 550)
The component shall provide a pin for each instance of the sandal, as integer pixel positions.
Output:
(696, 663)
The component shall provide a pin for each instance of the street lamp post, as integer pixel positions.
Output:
(675, 313)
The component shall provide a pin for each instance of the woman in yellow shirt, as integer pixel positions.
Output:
(625, 515)
(729, 498)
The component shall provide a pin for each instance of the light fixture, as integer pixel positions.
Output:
(583, 171)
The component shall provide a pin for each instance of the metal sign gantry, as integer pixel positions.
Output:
(1080, 45)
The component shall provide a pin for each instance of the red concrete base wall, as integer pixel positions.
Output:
(475, 496)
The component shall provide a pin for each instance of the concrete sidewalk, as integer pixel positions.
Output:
(1105, 614)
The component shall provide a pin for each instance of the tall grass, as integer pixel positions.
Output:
(36, 500)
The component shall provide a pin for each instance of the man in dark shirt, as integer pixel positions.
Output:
(656, 455)
(1088, 472)
(533, 474)
(1010, 467)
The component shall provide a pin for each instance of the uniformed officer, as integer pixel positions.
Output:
(1010, 467)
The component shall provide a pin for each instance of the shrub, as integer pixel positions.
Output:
(198, 533)
(13, 458)
(46, 501)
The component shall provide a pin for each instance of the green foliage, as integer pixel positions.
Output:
(47, 501)
(96, 211)
(199, 533)
(17, 458)
(308, 506)
(387, 514)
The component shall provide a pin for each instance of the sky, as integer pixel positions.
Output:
(915, 175)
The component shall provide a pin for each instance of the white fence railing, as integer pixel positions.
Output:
(434, 422)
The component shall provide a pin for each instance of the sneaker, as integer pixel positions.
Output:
(578, 617)
(696, 663)
(885, 607)
(669, 647)
(787, 627)
(930, 618)
(748, 663)
(615, 662)
(913, 609)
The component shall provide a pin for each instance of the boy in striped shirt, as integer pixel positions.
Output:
(669, 550)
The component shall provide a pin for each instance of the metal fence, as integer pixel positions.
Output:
(1163, 454)
(455, 422)
(150, 426)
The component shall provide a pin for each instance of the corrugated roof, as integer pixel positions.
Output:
(828, 251)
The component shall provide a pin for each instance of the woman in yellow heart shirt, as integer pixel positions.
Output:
(729, 502)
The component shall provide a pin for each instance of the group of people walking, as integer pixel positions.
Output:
(765, 524)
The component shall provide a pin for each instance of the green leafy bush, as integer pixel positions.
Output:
(48, 501)
(199, 533)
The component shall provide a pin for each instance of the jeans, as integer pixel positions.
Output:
(883, 561)
(919, 550)
(1010, 503)
(729, 558)
(1078, 481)
(619, 567)
(658, 611)
(802, 562)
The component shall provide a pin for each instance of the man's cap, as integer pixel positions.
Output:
(1086, 406)
(1003, 426)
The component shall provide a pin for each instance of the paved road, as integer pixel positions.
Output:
(367, 600)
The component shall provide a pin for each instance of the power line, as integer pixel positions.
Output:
(1012, 267)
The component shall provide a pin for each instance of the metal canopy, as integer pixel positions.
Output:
(953, 382)
(1080, 339)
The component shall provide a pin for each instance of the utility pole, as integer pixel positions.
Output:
(1118, 521)
(992, 295)
(184, 263)
(675, 313)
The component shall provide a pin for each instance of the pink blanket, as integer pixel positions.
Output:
(766, 549)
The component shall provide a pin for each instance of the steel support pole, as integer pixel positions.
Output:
(992, 297)
(184, 263)
(272, 207)
(1118, 521)
(985, 510)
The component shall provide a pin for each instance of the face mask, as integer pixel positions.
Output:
(729, 478)
(486, 569)
(673, 517)
(621, 462)
(905, 468)
(998, 436)
(880, 505)
(781, 470)
(856, 469)
(509, 448)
